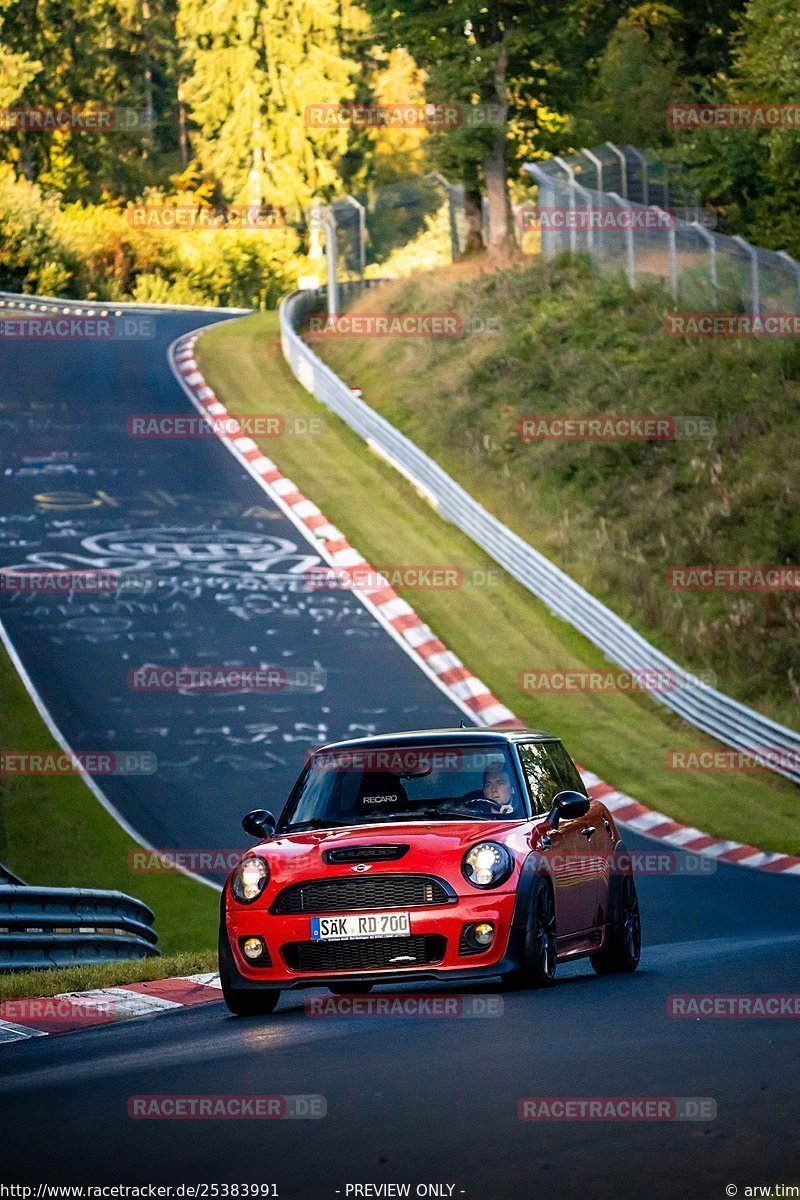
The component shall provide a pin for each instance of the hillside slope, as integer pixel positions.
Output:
(615, 514)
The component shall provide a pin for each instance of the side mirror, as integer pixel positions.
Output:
(566, 807)
(259, 823)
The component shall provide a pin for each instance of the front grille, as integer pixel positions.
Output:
(352, 895)
(364, 954)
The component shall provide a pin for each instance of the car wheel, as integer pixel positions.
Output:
(242, 1002)
(350, 989)
(538, 968)
(623, 946)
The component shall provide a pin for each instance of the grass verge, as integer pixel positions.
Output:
(19, 984)
(496, 630)
(54, 833)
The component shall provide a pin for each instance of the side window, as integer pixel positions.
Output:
(564, 769)
(543, 783)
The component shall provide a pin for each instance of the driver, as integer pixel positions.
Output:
(497, 788)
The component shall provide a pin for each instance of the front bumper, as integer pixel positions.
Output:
(445, 922)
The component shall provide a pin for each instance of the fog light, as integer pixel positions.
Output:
(476, 937)
(253, 947)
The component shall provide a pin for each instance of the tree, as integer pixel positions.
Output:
(639, 74)
(254, 67)
(76, 69)
(16, 69)
(767, 71)
(470, 53)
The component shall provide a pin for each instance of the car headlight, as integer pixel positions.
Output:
(487, 865)
(249, 879)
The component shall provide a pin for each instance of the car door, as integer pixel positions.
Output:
(549, 770)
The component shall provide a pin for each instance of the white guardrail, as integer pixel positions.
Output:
(14, 301)
(697, 702)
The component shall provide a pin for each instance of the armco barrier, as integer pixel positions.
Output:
(703, 706)
(15, 301)
(64, 927)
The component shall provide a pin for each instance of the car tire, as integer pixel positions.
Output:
(242, 1002)
(622, 951)
(350, 989)
(538, 966)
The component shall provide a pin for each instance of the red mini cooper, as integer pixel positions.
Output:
(447, 854)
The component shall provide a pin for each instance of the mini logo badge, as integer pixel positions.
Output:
(361, 867)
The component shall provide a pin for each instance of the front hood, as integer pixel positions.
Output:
(434, 847)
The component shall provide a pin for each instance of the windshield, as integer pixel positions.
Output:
(402, 783)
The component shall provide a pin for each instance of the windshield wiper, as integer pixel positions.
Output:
(436, 814)
(312, 823)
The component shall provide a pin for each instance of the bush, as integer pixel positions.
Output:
(94, 252)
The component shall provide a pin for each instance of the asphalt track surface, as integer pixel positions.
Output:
(426, 1100)
(79, 493)
(410, 1100)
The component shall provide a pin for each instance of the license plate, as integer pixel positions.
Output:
(360, 925)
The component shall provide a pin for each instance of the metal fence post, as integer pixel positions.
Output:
(322, 215)
(589, 212)
(447, 187)
(362, 233)
(711, 242)
(794, 266)
(629, 251)
(623, 163)
(598, 167)
(570, 172)
(546, 184)
(643, 160)
(672, 253)
(755, 281)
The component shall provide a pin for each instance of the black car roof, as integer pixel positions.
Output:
(438, 737)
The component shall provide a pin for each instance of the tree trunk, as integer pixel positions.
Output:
(149, 108)
(473, 217)
(501, 235)
(183, 141)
